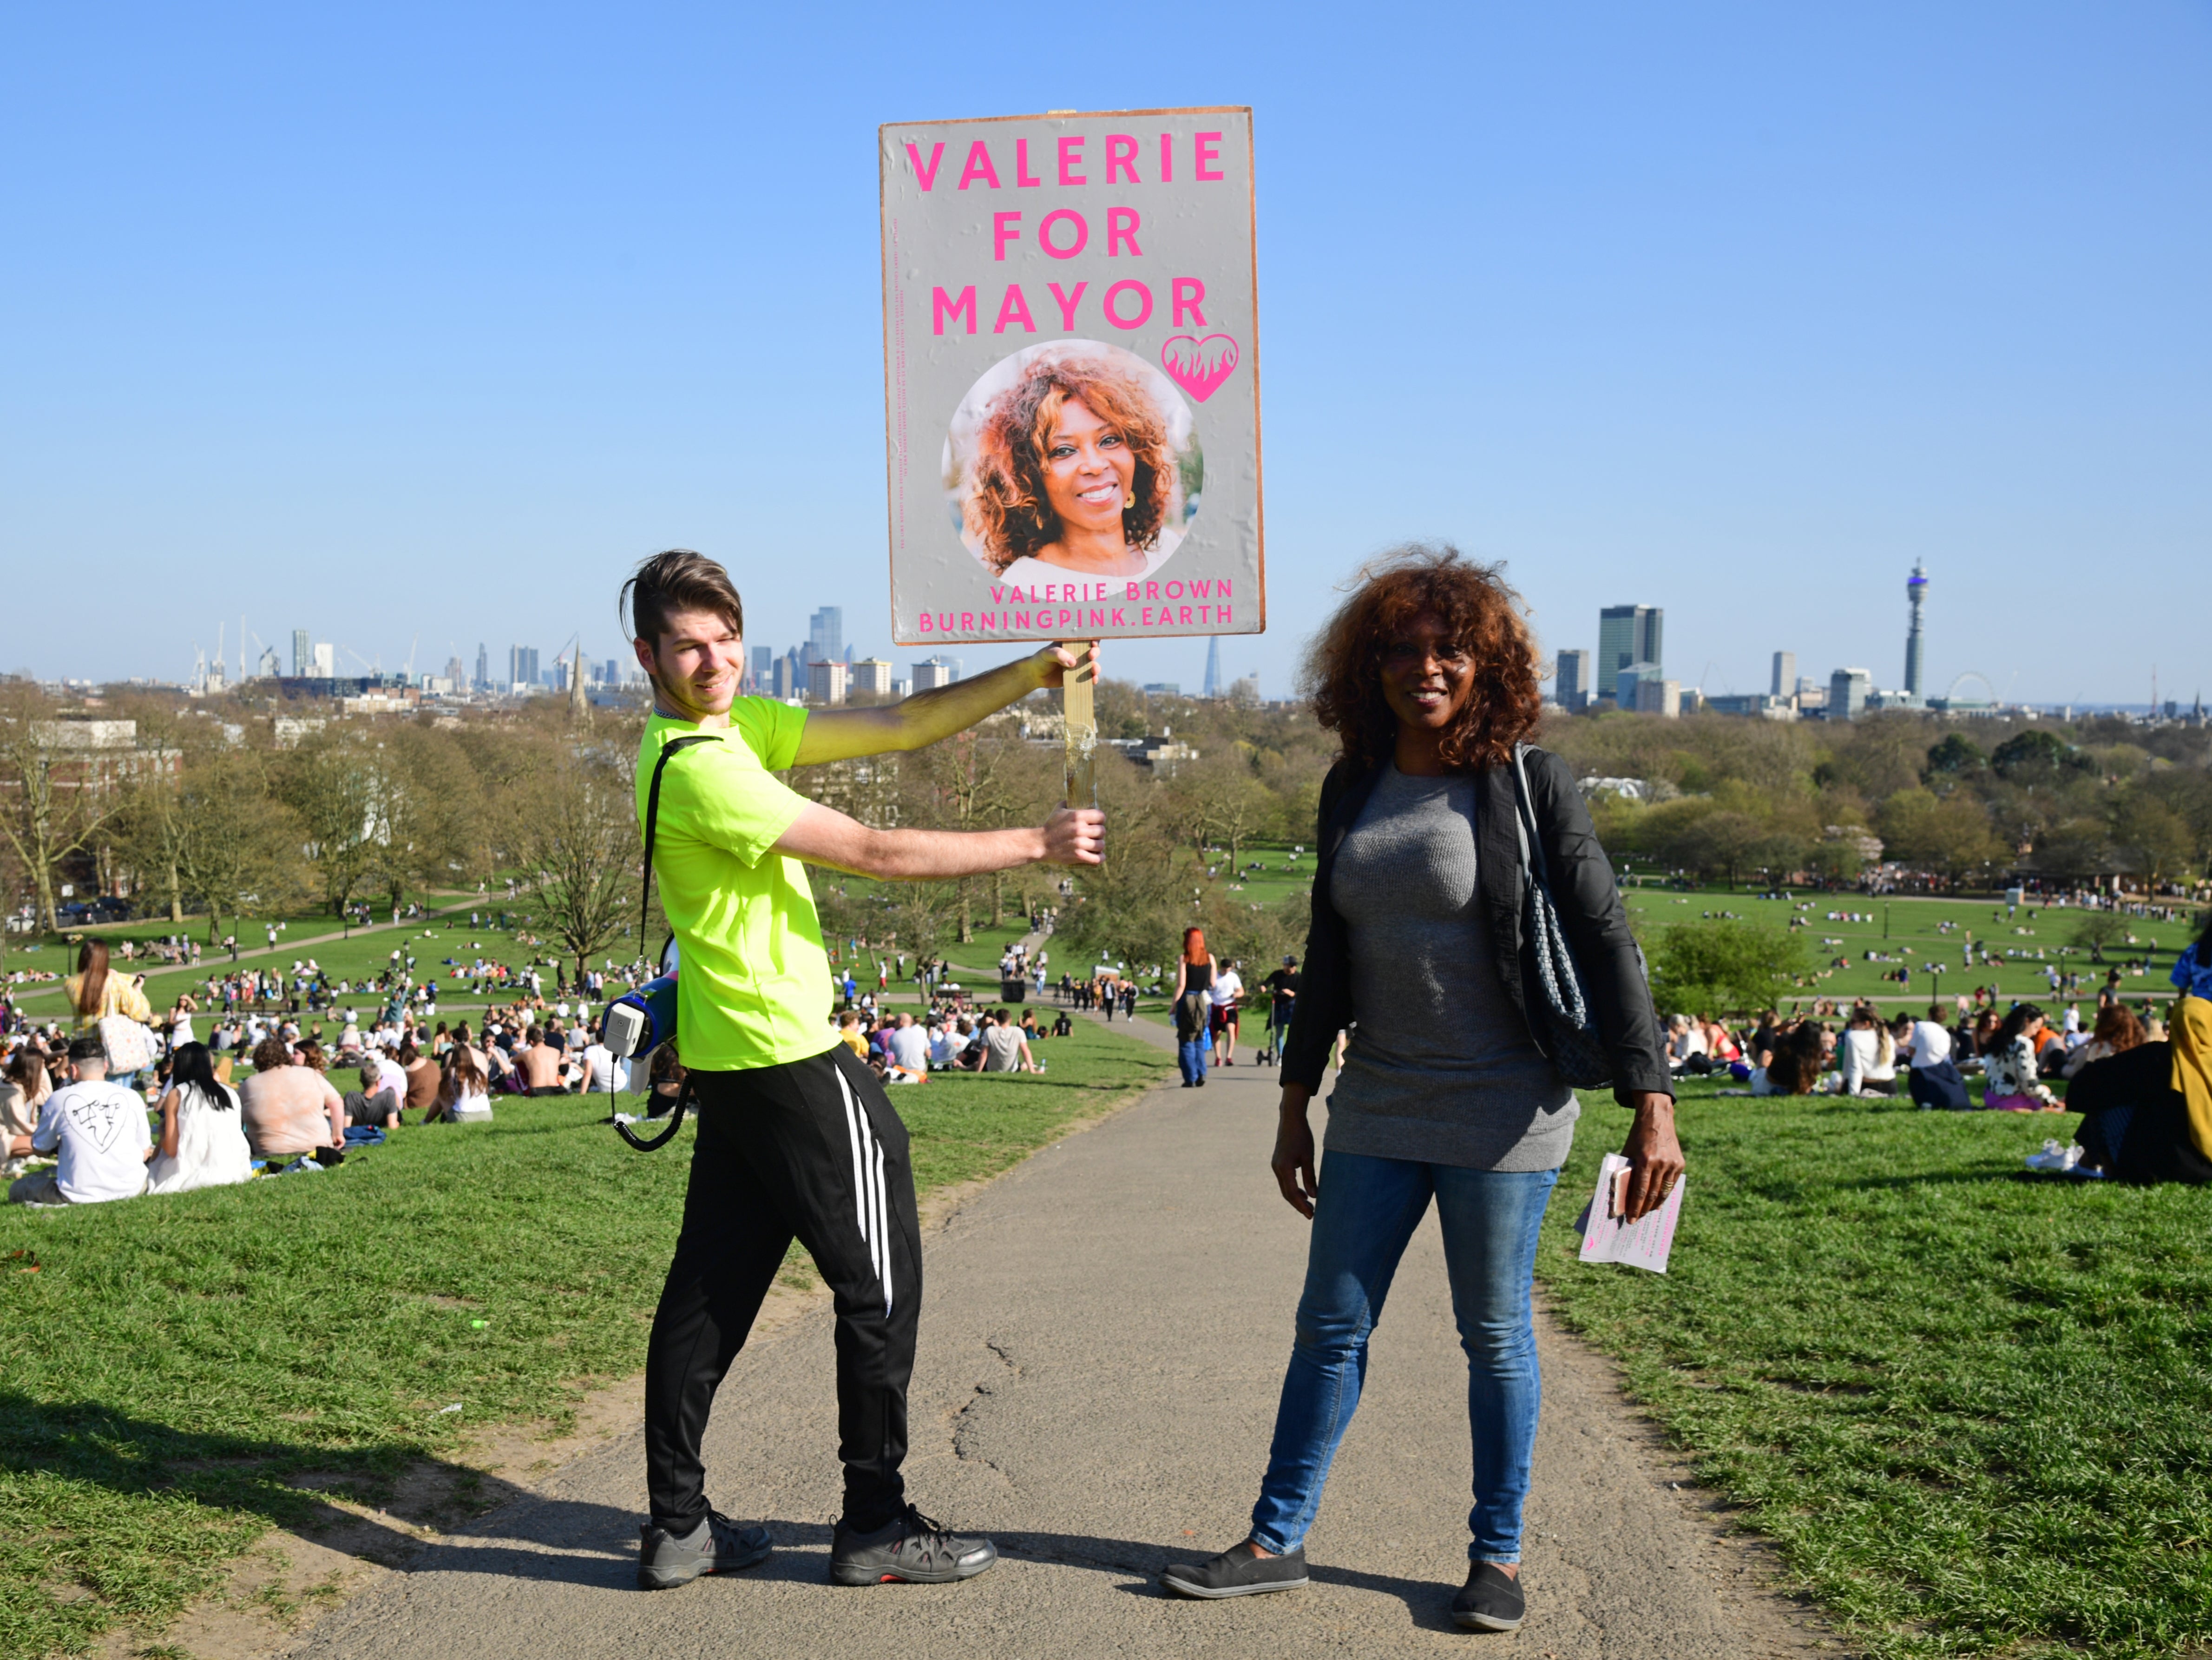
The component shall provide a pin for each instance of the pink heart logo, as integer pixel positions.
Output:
(1198, 367)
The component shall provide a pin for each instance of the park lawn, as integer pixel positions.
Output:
(364, 953)
(181, 1370)
(1968, 1406)
(1911, 922)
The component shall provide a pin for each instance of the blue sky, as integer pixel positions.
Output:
(381, 321)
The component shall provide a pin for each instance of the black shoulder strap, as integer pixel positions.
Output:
(651, 822)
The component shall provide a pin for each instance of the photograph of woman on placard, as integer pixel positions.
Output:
(1072, 459)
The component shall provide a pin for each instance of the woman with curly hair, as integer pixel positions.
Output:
(1073, 471)
(1428, 677)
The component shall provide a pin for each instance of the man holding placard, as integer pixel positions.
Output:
(797, 1138)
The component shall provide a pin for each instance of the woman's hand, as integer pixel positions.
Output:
(1654, 1156)
(1293, 1163)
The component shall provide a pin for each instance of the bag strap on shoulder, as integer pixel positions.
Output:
(668, 752)
(1524, 820)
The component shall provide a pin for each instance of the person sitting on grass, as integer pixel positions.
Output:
(1005, 1048)
(288, 1109)
(98, 1131)
(203, 1141)
(1061, 1025)
(23, 1091)
(910, 1047)
(1869, 1054)
(666, 1082)
(463, 1093)
(422, 1074)
(2116, 1031)
(544, 1066)
(2009, 1064)
(1794, 1064)
(376, 1103)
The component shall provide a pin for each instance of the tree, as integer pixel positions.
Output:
(235, 840)
(2093, 930)
(335, 788)
(1723, 967)
(2157, 840)
(577, 838)
(52, 797)
(1957, 756)
(1949, 835)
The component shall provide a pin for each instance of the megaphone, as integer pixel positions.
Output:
(633, 1026)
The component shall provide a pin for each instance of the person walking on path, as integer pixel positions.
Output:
(1223, 996)
(1195, 972)
(1428, 676)
(797, 1137)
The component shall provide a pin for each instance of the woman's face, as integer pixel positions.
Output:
(1426, 677)
(1088, 468)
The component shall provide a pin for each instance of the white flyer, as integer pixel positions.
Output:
(1609, 1237)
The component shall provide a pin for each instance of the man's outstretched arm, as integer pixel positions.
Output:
(822, 835)
(916, 722)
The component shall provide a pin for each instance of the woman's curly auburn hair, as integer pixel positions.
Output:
(1343, 672)
(1006, 509)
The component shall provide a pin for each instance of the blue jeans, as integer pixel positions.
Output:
(1366, 1214)
(1191, 1052)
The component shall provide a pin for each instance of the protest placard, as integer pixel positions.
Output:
(1072, 376)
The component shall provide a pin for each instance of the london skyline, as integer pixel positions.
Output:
(1750, 312)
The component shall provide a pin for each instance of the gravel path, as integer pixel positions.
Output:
(1105, 1337)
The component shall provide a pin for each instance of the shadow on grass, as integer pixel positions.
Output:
(52, 1450)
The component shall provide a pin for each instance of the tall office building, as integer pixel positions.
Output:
(1572, 686)
(1916, 595)
(483, 667)
(271, 665)
(780, 680)
(1625, 635)
(303, 654)
(825, 636)
(763, 667)
(1847, 693)
(456, 676)
(1627, 683)
(522, 665)
(1785, 675)
(934, 671)
(323, 661)
(1212, 667)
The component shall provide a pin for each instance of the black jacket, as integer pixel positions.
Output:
(1582, 888)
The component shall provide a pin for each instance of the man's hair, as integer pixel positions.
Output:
(678, 580)
(87, 1047)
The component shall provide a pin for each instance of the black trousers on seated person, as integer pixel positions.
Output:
(810, 1150)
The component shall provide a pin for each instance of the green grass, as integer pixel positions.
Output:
(181, 1370)
(1969, 1407)
(1911, 926)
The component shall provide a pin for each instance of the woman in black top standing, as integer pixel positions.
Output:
(1448, 1092)
(1193, 978)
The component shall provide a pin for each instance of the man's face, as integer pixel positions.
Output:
(697, 663)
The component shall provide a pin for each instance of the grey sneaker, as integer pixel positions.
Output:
(908, 1549)
(717, 1545)
(1492, 1599)
(1240, 1570)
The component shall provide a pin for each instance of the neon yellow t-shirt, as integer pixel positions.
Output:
(751, 992)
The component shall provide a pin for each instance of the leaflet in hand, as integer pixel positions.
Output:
(1609, 1237)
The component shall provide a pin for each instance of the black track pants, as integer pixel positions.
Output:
(809, 1150)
